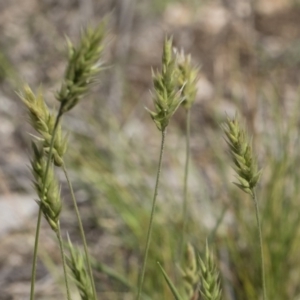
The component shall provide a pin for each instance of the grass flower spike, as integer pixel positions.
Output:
(189, 271)
(210, 283)
(43, 122)
(50, 202)
(187, 76)
(82, 67)
(241, 152)
(76, 263)
(167, 96)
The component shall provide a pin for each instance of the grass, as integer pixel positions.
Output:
(256, 246)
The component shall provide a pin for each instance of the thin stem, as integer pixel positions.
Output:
(185, 185)
(81, 231)
(263, 276)
(36, 242)
(38, 225)
(63, 257)
(151, 216)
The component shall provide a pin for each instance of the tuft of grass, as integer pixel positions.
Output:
(174, 86)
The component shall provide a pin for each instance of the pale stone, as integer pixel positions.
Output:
(15, 211)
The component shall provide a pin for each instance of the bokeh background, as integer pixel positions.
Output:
(249, 58)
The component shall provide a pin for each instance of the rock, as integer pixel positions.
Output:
(15, 211)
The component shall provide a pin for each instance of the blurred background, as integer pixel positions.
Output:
(249, 57)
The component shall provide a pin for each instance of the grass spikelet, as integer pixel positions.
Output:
(210, 283)
(189, 271)
(187, 76)
(43, 122)
(49, 202)
(241, 153)
(76, 263)
(82, 67)
(167, 96)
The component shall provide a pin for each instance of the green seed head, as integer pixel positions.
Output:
(241, 152)
(167, 96)
(187, 76)
(49, 202)
(210, 283)
(82, 67)
(190, 271)
(43, 122)
(76, 263)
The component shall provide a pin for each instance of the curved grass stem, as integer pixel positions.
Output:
(263, 276)
(38, 225)
(141, 281)
(81, 231)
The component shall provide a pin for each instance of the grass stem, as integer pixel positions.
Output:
(141, 281)
(185, 184)
(36, 242)
(63, 257)
(81, 231)
(263, 276)
(38, 225)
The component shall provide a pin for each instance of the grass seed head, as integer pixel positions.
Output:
(76, 264)
(82, 67)
(190, 272)
(245, 164)
(43, 122)
(209, 277)
(50, 204)
(187, 76)
(167, 96)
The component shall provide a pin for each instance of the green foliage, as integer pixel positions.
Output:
(170, 283)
